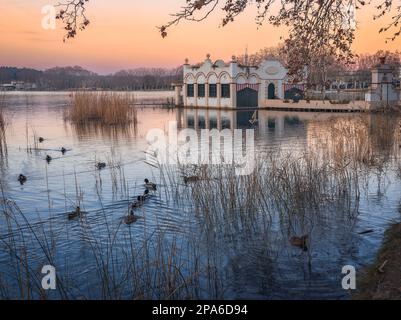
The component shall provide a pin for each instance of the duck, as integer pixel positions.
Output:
(100, 165)
(76, 213)
(48, 158)
(41, 139)
(131, 218)
(63, 150)
(22, 179)
(146, 194)
(300, 242)
(139, 201)
(150, 185)
(191, 179)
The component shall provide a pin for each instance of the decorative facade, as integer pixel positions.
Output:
(231, 85)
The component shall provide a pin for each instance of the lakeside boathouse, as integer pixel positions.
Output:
(232, 85)
(220, 85)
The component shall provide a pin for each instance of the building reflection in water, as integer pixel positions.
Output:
(318, 131)
(264, 122)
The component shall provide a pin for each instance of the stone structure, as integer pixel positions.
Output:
(231, 85)
(384, 90)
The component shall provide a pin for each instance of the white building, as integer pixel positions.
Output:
(231, 85)
(384, 89)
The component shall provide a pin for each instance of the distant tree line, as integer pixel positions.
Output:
(68, 78)
(326, 68)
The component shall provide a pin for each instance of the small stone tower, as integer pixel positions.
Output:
(382, 91)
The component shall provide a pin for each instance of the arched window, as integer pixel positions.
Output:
(271, 91)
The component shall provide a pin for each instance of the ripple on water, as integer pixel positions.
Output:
(254, 260)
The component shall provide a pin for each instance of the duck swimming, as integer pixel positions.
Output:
(130, 219)
(139, 201)
(150, 185)
(48, 158)
(146, 194)
(41, 139)
(191, 179)
(76, 213)
(300, 242)
(63, 150)
(100, 165)
(22, 179)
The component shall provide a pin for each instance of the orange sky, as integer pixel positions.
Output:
(123, 34)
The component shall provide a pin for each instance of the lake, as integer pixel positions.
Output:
(226, 237)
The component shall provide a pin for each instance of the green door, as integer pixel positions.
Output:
(247, 98)
(270, 91)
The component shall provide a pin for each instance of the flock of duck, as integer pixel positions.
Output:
(300, 242)
(137, 203)
(22, 178)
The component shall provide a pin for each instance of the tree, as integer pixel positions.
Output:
(323, 66)
(256, 58)
(367, 61)
(73, 15)
(316, 27)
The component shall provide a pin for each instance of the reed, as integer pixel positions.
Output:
(295, 189)
(106, 108)
(284, 185)
(156, 266)
(290, 191)
(3, 127)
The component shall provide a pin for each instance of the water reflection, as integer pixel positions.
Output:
(83, 131)
(378, 133)
(225, 225)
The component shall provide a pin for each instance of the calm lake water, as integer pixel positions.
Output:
(250, 262)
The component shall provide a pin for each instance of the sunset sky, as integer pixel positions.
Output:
(123, 35)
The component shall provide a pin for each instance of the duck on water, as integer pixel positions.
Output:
(149, 185)
(100, 165)
(191, 179)
(140, 200)
(22, 179)
(300, 242)
(76, 213)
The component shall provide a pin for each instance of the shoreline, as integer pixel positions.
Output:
(382, 279)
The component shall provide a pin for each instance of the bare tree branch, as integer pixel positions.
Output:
(72, 14)
(316, 27)
(385, 8)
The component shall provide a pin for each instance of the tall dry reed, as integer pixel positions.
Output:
(106, 108)
(3, 126)
(294, 189)
(157, 266)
